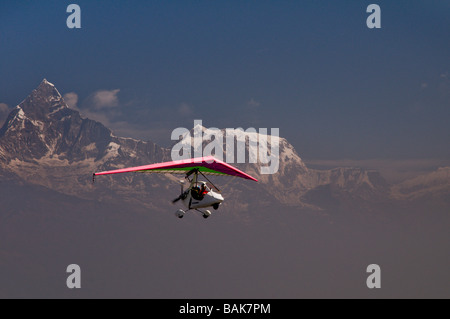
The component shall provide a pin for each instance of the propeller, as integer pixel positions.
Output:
(177, 199)
(182, 193)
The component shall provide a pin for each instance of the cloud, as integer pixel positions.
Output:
(71, 99)
(4, 112)
(105, 99)
(104, 106)
(101, 106)
(4, 107)
(134, 118)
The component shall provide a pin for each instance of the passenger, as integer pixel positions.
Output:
(204, 190)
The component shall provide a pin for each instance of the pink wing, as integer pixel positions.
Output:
(206, 165)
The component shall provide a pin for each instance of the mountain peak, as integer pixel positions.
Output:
(44, 82)
(43, 126)
(43, 105)
(46, 88)
(43, 101)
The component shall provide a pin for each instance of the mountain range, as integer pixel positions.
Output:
(44, 142)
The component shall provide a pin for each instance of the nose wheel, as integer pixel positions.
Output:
(206, 214)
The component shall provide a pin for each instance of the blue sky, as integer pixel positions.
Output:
(335, 88)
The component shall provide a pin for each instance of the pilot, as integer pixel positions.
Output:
(203, 190)
(196, 193)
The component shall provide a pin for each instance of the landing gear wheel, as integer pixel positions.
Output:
(216, 206)
(180, 213)
(206, 214)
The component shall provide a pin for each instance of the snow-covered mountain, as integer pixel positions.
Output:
(44, 142)
(294, 184)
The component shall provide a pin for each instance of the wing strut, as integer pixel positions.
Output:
(197, 171)
(209, 181)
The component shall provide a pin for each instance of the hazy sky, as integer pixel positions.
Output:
(335, 88)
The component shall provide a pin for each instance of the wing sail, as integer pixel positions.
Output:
(207, 165)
